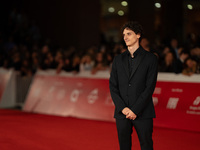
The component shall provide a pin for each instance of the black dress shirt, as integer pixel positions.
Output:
(131, 60)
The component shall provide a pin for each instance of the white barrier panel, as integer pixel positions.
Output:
(176, 99)
(4, 77)
(7, 88)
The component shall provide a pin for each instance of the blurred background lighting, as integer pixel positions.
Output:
(189, 6)
(157, 5)
(124, 3)
(120, 13)
(111, 9)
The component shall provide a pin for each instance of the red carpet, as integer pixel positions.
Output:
(26, 131)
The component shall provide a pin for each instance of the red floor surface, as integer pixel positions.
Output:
(26, 131)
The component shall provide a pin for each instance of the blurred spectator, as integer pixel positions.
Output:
(174, 48)
(17, 62)
(190, 67)
(163, 52)
(195, 54)
(52, 63)
(190, 40)
(86, 63)
(67, 65)
(35, 62)
(167, 64)
(178, 63)
(109, 60)
(118, 48)
(144, 42)
(44, 51)
(99, 64)
(23, 49)
(61, 65)
(45, 64)
(75, 65)
(70, 52)
(26, 68)
(92, 51)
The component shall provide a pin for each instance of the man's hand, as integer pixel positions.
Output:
(131, 115)
(128, 113)
(125, 111)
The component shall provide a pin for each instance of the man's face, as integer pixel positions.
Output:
(130, 37)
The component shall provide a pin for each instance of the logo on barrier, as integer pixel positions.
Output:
(177, 90)
(172, 103)
(197, 101)
(155, 101)
(74, 95)
(157, 90)
(194, 108)
(93, 96)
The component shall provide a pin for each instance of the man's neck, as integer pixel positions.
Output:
(132, 49)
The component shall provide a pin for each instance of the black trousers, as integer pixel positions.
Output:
(144, 129)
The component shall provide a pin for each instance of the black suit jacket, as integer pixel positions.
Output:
(134, 91)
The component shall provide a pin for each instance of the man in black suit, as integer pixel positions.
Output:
(132, 82)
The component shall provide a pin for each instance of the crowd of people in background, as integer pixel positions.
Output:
(22, 48)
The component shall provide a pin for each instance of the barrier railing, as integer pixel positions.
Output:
(176, 98)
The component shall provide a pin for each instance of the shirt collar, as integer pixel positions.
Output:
(135, 53)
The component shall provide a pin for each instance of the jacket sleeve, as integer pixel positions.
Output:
(146, 96)
(114, 88)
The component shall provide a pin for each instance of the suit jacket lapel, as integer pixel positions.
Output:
(138, 58)
(125, 62)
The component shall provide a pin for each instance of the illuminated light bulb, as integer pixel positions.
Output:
(157, 5)
(120, 13)
(189, 6)
(124, 3)
(111, 9)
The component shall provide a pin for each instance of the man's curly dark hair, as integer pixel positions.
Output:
(134, 26)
